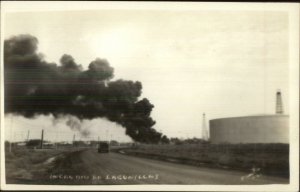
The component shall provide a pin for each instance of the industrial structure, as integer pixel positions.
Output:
(204, 129)
(252, 129)
(279, 106)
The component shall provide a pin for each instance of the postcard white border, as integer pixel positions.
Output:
(291, 8)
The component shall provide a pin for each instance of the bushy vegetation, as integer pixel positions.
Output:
(34, 143)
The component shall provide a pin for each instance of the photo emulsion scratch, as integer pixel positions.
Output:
(127, 97)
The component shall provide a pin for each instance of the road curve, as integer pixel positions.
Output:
(114, 168)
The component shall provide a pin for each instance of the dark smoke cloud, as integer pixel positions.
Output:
(34, 86)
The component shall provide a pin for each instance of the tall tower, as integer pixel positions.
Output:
(279, 106)
(204, 128)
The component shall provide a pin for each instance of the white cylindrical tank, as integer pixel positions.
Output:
(250, 129)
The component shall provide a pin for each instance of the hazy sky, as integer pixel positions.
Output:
(223, 64)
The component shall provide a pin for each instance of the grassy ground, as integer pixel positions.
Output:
(30, 166)
(272, 159)
(24, 165)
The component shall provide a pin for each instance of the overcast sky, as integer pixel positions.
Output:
(223, 64)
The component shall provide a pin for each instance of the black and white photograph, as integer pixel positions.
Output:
(149, 95)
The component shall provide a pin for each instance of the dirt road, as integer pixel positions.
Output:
(90, 167)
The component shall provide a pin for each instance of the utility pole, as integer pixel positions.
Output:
(73, 140)
(28, 136)
(204, 129)
(279, 106)
(42, 138)
(56, 138)
(107, 135)
(11, 137)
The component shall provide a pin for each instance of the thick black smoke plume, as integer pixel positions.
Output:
(34, 87)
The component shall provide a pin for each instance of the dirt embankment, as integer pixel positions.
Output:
(271, 159)
(30, 166)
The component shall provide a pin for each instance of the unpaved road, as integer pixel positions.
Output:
(90, 167)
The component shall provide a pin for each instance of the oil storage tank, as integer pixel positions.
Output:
(250, 129)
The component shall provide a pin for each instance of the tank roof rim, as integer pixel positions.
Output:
(253, 116)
